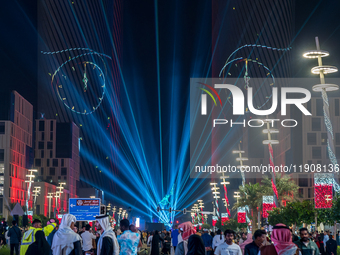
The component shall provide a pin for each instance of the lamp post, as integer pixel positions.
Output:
(225, 183)
(192, 217)
(30, 180)
(215, 194)
(50, 196)
(108, 208)
(114, 214)
(36, 192)
(241, 159)
(269, 131)
(195, 209)
(56, 195)
(201, 206)
(119, 213)
(59, 191)
(324, 88)
(237, 195)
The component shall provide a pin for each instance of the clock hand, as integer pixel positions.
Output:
(85, 80)
(246, 77)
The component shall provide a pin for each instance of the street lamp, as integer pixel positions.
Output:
(30, 180)
(108, 208)
(58, 193)
(215, 193)
(237, 195)
(119, 213)
(50, 196)
(113, 211)
(241, 159)
(36, 192)
(324, 88)
(269, 131)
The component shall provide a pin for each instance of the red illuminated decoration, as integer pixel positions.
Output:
(323, 196)
(267, 205)
(241, 217)
(224, 218)
(266, 208)
(214, 220)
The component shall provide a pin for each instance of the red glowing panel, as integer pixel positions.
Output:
(241, 217)
(224, 218)
(267, 207)
(214, 220)
(323, 196)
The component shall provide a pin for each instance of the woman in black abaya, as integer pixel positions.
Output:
(155, 243)
(40, 246)
(195, 245)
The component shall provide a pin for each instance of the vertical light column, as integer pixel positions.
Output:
(225, 183)
(201, 206)
(36, 192)
(30, 180)
(269, 131)
(241, 159)
(325, 180)
(50, 196)
(215, 193)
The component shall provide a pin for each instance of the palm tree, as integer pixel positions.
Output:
(287, 189)
(251, 196)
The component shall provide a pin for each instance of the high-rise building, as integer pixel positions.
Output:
(57, 161)
(16, 153)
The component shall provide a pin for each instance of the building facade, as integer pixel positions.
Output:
(16, 153)
(57, 161)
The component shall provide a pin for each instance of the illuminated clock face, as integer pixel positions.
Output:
(246, 70)
(80, 85)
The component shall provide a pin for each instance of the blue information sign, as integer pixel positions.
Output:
(85, 209)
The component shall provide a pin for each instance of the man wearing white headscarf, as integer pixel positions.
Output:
(65, 241)
(107, 243)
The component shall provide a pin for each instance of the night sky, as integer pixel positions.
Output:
(185, 32)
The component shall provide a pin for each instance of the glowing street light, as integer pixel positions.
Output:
(241, 159)
(324, 88)
(58, 193)
(36, 192)
(216, 197)
(49, 196)
(30, 180)
(237, 195)
(269, 141)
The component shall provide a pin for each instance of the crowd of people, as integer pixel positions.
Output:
(102, 239)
